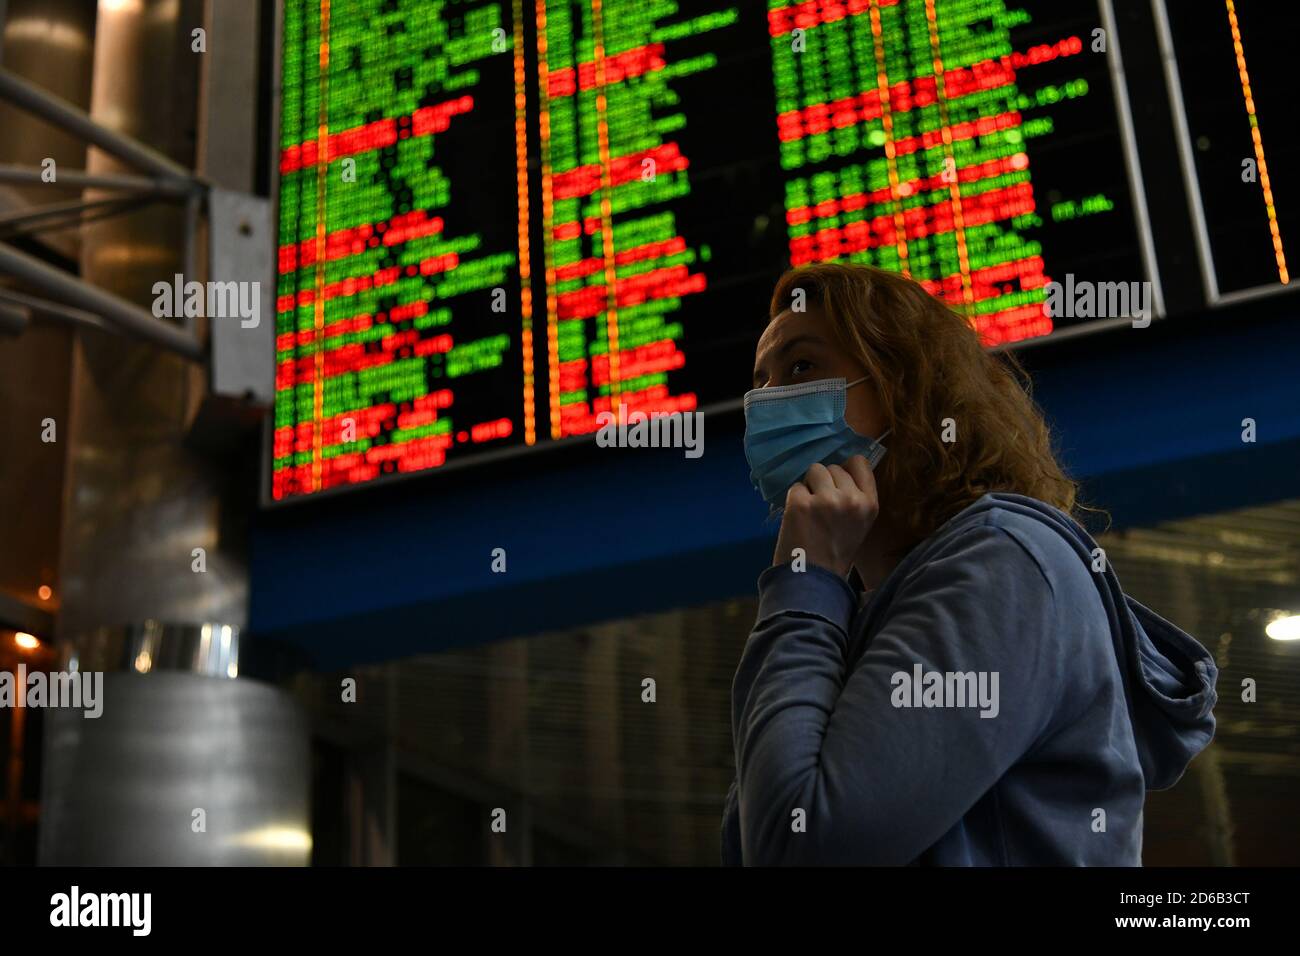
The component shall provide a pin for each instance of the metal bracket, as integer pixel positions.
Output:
(170, 180)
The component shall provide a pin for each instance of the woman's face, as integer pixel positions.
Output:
(801, 347)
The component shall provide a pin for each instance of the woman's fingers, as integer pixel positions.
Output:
(854, 475)
(828, 515)
(860, 470)
(819, 480)
(843, 480)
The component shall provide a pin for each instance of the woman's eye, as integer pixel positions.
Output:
(799, 367)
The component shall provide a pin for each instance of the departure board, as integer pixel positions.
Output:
(1241, 137)
(499, 220)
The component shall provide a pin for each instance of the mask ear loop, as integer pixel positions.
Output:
(863, 379)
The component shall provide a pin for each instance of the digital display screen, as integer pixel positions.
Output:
(1243, 136)
(499, 220)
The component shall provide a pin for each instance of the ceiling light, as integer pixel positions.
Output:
(1284, 627)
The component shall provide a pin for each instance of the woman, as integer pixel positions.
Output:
(944, 669)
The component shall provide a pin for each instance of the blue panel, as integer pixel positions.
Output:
(1142, 403)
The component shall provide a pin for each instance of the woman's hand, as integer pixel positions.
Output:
(828, 515)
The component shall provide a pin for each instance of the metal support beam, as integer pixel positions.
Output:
(58, 211)
(68, 288)
(62, 113)
(80, 179)
(37, 306)
(14, 319)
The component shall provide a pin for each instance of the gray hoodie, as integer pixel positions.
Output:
(996, 701)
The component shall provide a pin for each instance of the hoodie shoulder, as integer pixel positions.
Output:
(1041, 531)
(1060, 559)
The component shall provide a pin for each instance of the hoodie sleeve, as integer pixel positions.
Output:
(879, 783)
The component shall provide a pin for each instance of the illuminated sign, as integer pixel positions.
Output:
(499, 220)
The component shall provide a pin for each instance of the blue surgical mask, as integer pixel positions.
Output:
(790, 428)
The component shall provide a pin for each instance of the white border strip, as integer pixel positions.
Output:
(1166, 40)
(1128, 137)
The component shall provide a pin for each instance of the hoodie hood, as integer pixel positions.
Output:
(1168, 676)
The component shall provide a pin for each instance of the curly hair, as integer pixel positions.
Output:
(927, 364)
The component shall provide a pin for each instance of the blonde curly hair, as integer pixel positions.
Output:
(927, 364)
